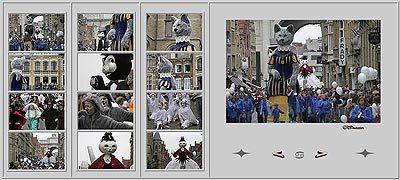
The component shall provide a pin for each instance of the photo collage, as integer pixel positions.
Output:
(209, 89)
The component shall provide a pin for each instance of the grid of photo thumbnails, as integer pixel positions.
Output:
(36, 92)
(174, 89)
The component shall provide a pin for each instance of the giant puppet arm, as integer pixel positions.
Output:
(295, 72)
(128, 33)
(275, 74)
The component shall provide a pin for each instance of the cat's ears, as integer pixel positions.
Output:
(289, 28)
(173, 19)
(277, 28)
(185, 18)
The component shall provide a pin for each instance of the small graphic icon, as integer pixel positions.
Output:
(299, 154)
(365, 153)
(321, 154)
(241, 153)
(278, 154)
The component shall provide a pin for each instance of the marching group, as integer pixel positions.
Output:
(307, 106)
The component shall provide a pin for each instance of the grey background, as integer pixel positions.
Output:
(221, 140)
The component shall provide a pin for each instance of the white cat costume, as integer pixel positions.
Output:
(306, 77)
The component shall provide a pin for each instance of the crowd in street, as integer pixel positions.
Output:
(35, 43)
(36, 165)
(323, 105)
(36, 112)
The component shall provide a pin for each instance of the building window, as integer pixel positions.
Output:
(187, 83)
(37, 80)
(45, 66)
(168, 25)
(53, 66)
(150, 81)
(45, 80)
(314, 57)
(37, 66)
(200, 61)
(178, 83)
(26, 66)
(187, 68)
(54, 79)
(178, 68)
(318, 69)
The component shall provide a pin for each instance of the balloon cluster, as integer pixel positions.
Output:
(339, 89)
(367, 73)
(230, 91)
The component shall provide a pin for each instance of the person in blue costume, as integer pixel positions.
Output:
(361, 113)
(121, 33)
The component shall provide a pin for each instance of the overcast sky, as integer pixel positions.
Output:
(308, 31)
(171, 139)
(42, 136)
(93, 139)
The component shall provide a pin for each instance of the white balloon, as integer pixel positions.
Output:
(232, 90)
(339, 90)
(334, 84)
(343, 118)
(241, 89)
(319, 91)
(375, 74)
(362, 78)
(370, 72)
(364, 70)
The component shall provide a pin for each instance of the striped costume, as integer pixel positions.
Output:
(166, 82)
(282, 62)
(119, 21)
(183, 46)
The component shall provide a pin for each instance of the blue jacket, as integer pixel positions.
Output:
(366, 116)
(291, 98)
(276, 112)
(263, 107)
(240, 104)
(248, 104)
(231, 109)
(300, 103)
(324, 106)
(314, 105)
(309, 100)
